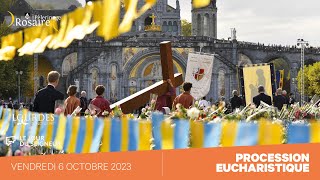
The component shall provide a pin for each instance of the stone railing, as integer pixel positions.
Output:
(278, 48)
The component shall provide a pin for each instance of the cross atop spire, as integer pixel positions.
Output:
(153, 17)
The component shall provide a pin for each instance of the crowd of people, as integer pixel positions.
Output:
(279, 100)
(46, 98)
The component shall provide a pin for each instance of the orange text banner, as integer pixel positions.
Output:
(166, 164)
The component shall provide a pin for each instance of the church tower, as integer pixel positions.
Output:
(204, 20)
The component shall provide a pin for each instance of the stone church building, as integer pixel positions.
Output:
(131, 62)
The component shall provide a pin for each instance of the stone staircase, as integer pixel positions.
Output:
(73, 74)
(227, 62)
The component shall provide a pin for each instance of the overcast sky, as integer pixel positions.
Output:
(265, 21)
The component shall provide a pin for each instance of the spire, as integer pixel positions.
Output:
(177, 5)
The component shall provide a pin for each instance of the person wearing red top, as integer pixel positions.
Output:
(100, 102)
(162, 101)
(185, 99)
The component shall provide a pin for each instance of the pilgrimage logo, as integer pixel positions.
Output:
(198, 73)
(29, 20)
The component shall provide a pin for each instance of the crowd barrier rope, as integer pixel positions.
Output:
(87, 134)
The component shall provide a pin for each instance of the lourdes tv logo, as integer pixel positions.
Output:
(30, 141)
(29, 20)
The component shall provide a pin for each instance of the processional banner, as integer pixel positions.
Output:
(199, 73)
(254, 76)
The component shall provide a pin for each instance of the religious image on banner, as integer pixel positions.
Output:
(254, 76)
(199, 73)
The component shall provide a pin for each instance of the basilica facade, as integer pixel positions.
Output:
(131, 62)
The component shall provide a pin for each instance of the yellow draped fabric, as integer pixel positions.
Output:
(98, 16)
(270, 133)
(31, 40)
(25, 114)
(9, 45)
(130, 16)
(315, 132)
(2, 117)
(167, 132)
(61, 133)
(146, 7)
(89, 135)
(124, 133)
(14, 39)
(200, 3)
(75, 25)
(54, 44)
(110, 19)
(47, 35)
(49, 135)
(229, 133)
(106, 136)
(67, 23)
(145, 135)
(197, 134)
(87, 27)
(74, 134)
(4, 127)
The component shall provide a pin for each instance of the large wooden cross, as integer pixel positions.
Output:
(139, 99)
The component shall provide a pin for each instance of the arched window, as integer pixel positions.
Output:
(222, 82)
(165, 26)
(244, 60)
(170, 27)
(134, 27)
(206, 25)
(148, 21)
(69, 63)
(199, 25)
(175, 26)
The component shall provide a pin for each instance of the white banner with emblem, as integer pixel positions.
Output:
(199, 73)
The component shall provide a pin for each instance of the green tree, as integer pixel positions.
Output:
(6, 5)
(186, 28)
(4, 29)
(314, 78)
(311, 79)
(8, 77)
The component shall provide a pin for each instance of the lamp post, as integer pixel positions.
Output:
(303, 44)
(19, 73)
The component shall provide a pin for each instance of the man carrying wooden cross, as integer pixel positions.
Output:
(139, 99)
(165, 99)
